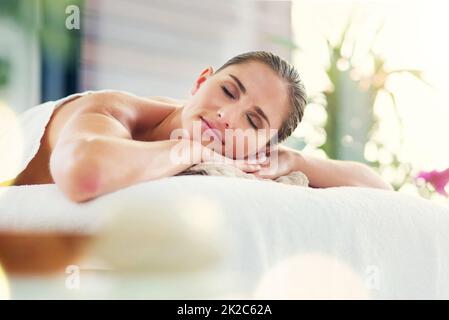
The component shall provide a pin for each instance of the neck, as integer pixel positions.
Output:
(163, 130)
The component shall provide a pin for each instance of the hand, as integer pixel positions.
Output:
(210, 156)
(280, 162)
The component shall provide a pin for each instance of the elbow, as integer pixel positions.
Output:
(81, 185)
(371, 179)
(76, 172)
(385, 185)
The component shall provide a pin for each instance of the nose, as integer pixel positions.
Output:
(223, 121)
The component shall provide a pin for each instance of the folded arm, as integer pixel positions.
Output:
(95, 154)
(324, 173)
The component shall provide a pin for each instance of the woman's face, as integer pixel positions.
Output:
(237, 110)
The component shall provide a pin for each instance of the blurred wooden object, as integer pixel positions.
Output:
(37, 253)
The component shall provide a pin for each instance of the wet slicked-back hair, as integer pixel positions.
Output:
(288, 73)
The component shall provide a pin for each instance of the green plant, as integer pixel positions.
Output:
(45, 19)
(4, 72)
(352, 96)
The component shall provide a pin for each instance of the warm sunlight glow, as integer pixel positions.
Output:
(414, 36)
(4, 286)
(10, 158)
(311, 276)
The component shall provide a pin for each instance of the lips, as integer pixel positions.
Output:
(212, 128)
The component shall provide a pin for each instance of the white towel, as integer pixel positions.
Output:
(20, 137)
(221, 169)
(397, 244)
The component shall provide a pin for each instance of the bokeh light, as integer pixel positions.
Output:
(414, 36)
(311, 276)
(11, 141)
(406, 35)
(4, 285)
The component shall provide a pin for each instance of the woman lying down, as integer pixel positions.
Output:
(97, 142)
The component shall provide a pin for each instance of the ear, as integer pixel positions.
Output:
(203, 77)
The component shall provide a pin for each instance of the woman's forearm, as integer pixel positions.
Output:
(88, 168)
(324, 173)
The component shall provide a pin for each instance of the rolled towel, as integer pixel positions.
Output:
(221, 169)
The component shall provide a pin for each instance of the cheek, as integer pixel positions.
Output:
(208, 99)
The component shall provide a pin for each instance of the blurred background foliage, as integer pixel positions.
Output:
(351, 128)
(44, 20)
(4, 71)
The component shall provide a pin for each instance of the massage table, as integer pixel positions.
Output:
(204, 237)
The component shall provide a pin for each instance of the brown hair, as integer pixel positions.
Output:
(287, 72)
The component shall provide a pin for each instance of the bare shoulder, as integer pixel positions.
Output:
(135, 111)
(128, 110)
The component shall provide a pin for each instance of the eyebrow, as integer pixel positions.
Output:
(243, 89)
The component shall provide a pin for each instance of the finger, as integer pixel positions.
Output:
(249, 168)
(267, 173)
(262, 175)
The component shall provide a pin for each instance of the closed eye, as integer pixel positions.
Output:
(226, 91)
(229, 94)
(251, 122)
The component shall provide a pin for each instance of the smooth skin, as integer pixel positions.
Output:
(106, 141)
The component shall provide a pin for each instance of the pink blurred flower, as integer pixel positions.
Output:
(438, 179)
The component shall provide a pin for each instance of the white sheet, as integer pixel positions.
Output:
(277, 239)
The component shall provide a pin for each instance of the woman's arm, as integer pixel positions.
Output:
(324, 173)
(94, 152)
(86, 168)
